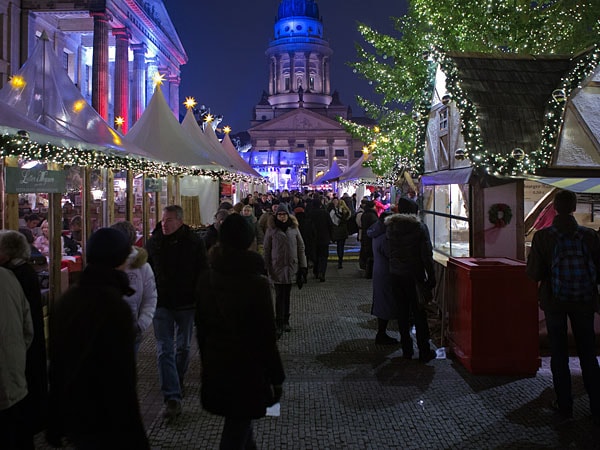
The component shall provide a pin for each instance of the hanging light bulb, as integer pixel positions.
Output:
(518, 154)
(459, 154)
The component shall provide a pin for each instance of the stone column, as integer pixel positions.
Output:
(306, 72)
(138, 89)
(121, 88)
(293, 86)
(100, 63)
(271, 76)
(326, 76)
(152, 69)
(174, 82)
(320, 87)
(278, 75)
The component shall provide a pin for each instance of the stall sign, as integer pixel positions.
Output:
(152, 185)
(35, 181)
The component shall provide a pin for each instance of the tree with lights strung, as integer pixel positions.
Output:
(402, 69)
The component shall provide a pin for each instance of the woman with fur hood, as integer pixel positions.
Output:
(284, 258)
(141, 280)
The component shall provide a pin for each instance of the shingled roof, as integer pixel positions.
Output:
(511, 94)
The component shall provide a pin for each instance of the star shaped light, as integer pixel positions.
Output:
(227, 129)
(190, 102)
(158, 79)
(119, 121)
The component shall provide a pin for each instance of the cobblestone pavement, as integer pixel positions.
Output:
(344, 392)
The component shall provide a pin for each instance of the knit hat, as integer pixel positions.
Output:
(407, 206)
(282, 208)
(108, 247)
(236, 232)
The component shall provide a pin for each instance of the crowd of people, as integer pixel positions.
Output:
(221, 282)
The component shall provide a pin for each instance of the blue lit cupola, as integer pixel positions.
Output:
(299, 58)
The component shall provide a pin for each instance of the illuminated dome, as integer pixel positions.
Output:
(298, 8)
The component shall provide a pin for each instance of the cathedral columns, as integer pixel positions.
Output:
(100, 63)
(138, 91)
(121, 88)
(326, 84)
(271, 76)
(293, 84)
(174, 82)
(277, 77)
(307, 87)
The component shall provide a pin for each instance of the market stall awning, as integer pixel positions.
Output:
(453, 176)
(578, 185)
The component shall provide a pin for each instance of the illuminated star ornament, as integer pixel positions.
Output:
(78, 105)
(190, 102)
(227, 129)
(119, 121)
(209, 118)
(158, 79)
(17, 82)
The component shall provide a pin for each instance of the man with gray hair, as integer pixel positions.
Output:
(177, 255)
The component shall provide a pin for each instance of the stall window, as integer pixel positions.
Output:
(445, 211)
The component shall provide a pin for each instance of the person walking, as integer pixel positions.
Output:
(242, 371)
(368, 218)
(284, 258)
(93, 398)
(16, 330)
(177, 255)
(321, 232)
(565, 261)
(411, 262)
(141, 280)
(384, 306)
(339, 215)
(15, 256)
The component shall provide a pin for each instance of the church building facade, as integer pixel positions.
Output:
(294, 132)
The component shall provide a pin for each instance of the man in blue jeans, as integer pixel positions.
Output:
(575, 298)
(177, 256)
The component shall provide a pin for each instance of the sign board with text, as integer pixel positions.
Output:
(35, 181)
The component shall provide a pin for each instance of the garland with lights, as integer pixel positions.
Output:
(27, 150)
(517, 163)
(500, 215)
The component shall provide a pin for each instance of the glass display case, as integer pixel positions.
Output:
(446, 212)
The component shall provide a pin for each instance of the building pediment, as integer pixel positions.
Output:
(298, 120)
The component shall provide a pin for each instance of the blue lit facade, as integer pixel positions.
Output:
(294, 132)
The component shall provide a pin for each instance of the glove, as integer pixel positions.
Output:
(299, 279)
(277, 391)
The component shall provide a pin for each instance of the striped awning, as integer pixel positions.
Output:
(579, 185)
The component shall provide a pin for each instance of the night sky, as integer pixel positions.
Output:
(226, 42)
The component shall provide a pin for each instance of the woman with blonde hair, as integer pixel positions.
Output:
(339, 213)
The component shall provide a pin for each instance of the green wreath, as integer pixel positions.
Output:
(500, 214)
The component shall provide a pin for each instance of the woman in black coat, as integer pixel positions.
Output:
(242, 371)
(14, 255)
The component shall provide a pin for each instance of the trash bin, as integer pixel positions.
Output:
(493, 316)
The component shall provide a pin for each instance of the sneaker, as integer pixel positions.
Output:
(172, 409)
(384, 339)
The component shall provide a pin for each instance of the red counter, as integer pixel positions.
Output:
(493, 316)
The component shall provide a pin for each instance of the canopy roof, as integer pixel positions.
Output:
(43, 92)
(160, 133)
(233, 155)
(190, 125)
(359, 173)
(332, 174)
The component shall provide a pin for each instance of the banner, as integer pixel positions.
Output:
(152, 185)
(35, 181)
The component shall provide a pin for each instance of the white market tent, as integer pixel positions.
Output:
(257, 183)
(332, 174)
(357, 177)
(161, 134)
(42, 91)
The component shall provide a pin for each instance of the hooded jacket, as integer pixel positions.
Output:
(284, 251)
(411, 252)
(141, 280)
(539, 262)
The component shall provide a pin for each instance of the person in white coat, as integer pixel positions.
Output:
(16, 335)
(141, 280)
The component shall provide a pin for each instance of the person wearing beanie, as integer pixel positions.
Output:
(411, 268)
(177, 256)
(285, 260)
(91, 353)
(568, 295)
(141, 280)
(236, 335)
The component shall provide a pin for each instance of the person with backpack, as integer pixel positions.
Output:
(565, 261)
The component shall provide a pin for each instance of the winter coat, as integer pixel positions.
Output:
(321, 225)
(384, 304)
(92, 368)
(142, 281)
(368, 218)
(35, 405)
(176, 260)
(211, 237)
(307, 233)
(411, 252)
(236, 336)
(539, 263)
(16, 335)
(339, 231)
(284, 252)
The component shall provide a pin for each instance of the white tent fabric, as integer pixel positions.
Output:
(207, 191)
(332, 174)
(42, 91)
(190, 125)
(358, 173)
(238, 162)
(161, 135)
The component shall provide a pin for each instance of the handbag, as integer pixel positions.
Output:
(424, 293)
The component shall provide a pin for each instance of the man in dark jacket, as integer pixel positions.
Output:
(367, 218)
(177, 256)
(580, 311)
(321, 225)
(411, 262)
(93, 399)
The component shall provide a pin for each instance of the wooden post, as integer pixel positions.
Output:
(171, 194)
(130, 202)
(145, 212)
(55, 235)
(11, 201)
(86, 201)
(109, 204)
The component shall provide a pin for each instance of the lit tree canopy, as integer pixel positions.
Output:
(401, 69)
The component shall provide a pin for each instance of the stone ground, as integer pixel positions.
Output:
(344, 392)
